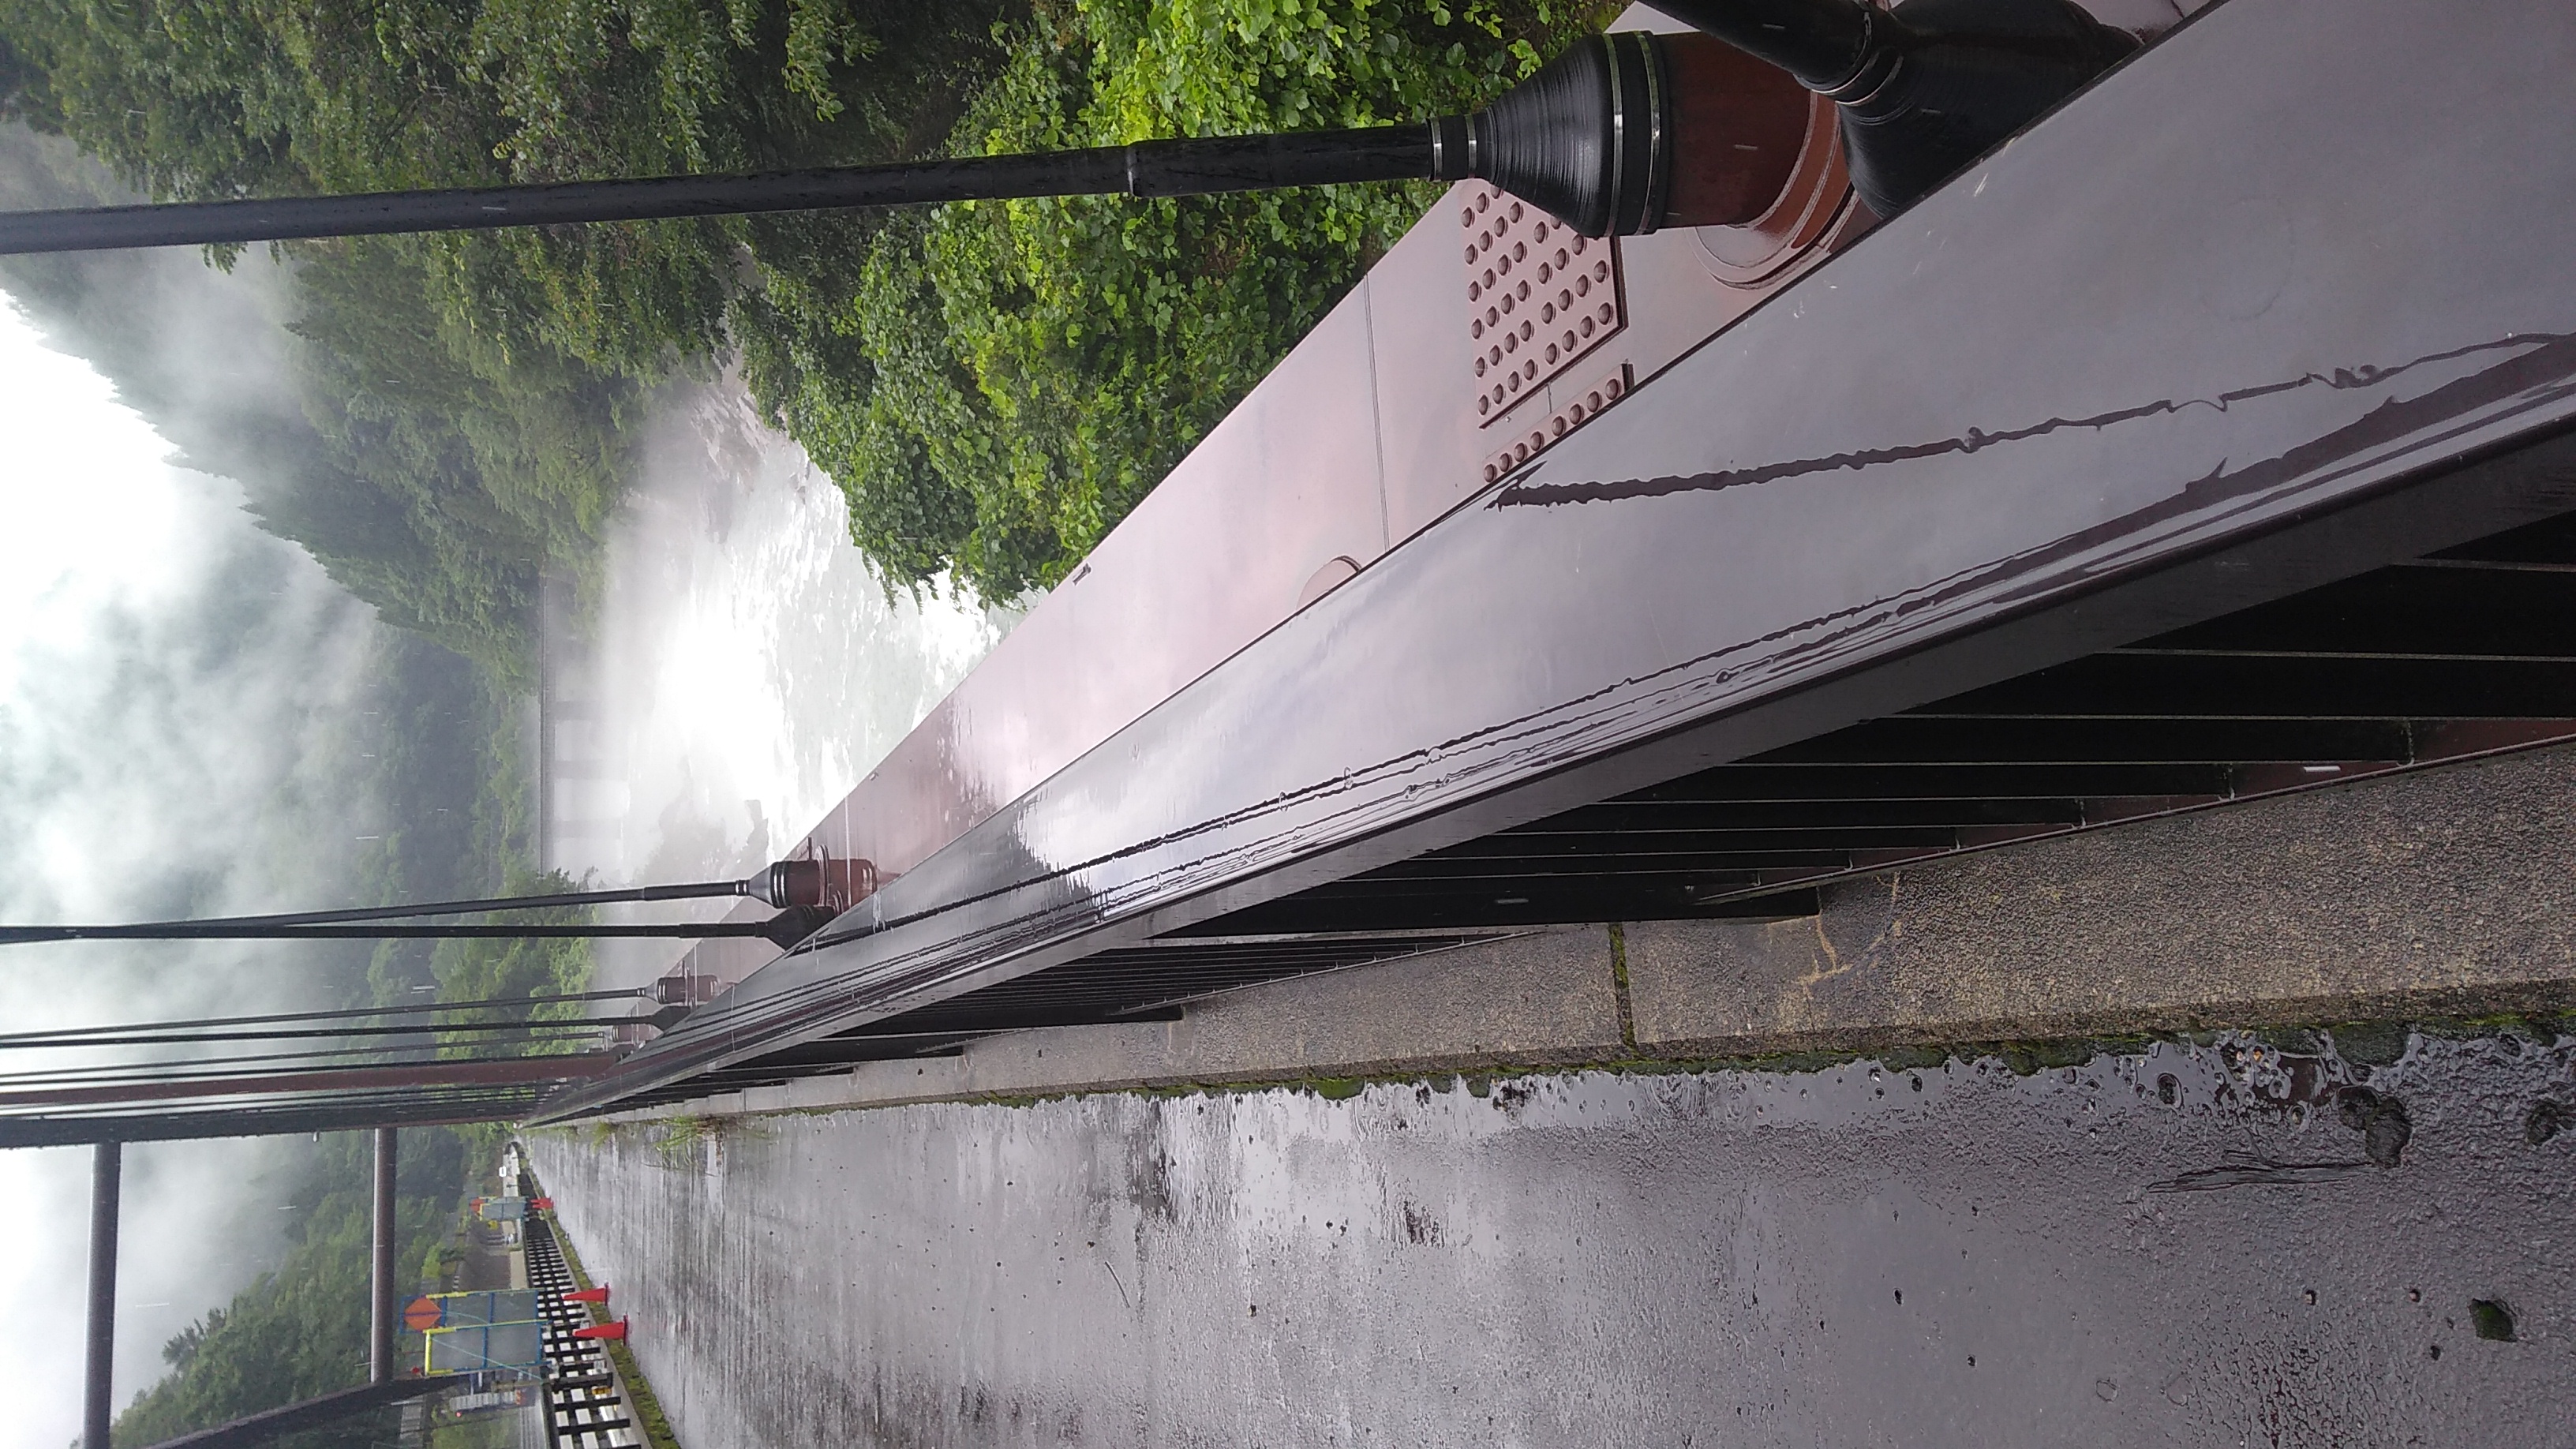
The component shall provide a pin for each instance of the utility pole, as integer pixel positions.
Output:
(380, 1280)
(98, 1382)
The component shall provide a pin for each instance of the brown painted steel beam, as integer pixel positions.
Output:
(1918, 472)
(271, 1425)
(333, 1114)
(380, 1261)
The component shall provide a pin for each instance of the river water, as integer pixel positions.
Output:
(741, 669)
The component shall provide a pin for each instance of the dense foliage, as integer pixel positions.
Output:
(999, 383)
(469, 400)
(992, 385)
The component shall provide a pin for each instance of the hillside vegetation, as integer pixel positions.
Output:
(301, 1330)
(993, 386)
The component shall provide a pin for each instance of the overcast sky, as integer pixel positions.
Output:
(173, 686)
(176, 697)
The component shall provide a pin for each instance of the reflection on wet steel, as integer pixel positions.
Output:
(1138, 765)
(1540, 297)
(2536, 380)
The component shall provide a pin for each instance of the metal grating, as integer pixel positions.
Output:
(585, 1406)
(2469, 652)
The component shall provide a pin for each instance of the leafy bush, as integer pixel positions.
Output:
(515, 969)
(996, 384)
(471, 397)
(992, 385)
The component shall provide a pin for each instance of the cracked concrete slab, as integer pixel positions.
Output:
(2352, 1237)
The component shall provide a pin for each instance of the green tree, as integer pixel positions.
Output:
(998, 383)
(473, 396)
(992, 385)
(301, 1330)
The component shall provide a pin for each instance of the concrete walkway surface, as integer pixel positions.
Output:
(1947, 1255)
(1576, 1204)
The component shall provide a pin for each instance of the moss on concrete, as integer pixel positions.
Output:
(2365, 1043)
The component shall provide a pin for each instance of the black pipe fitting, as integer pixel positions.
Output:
(794, 926)
(1923, 89)
(1826, 44)
(788, 883)
(1588, 138)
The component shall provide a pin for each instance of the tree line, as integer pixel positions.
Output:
(993, 386)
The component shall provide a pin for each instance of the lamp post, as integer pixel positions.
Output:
(1620, 134)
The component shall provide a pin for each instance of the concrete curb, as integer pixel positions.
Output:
(2446, 893)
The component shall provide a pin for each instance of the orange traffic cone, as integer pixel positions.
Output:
(615, 1330)
(587, 1295)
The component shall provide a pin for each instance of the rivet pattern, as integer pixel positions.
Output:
(1581, 406)
(1539, 297)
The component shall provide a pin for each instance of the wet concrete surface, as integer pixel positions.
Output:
(2441, 892)
(2223, 1244)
